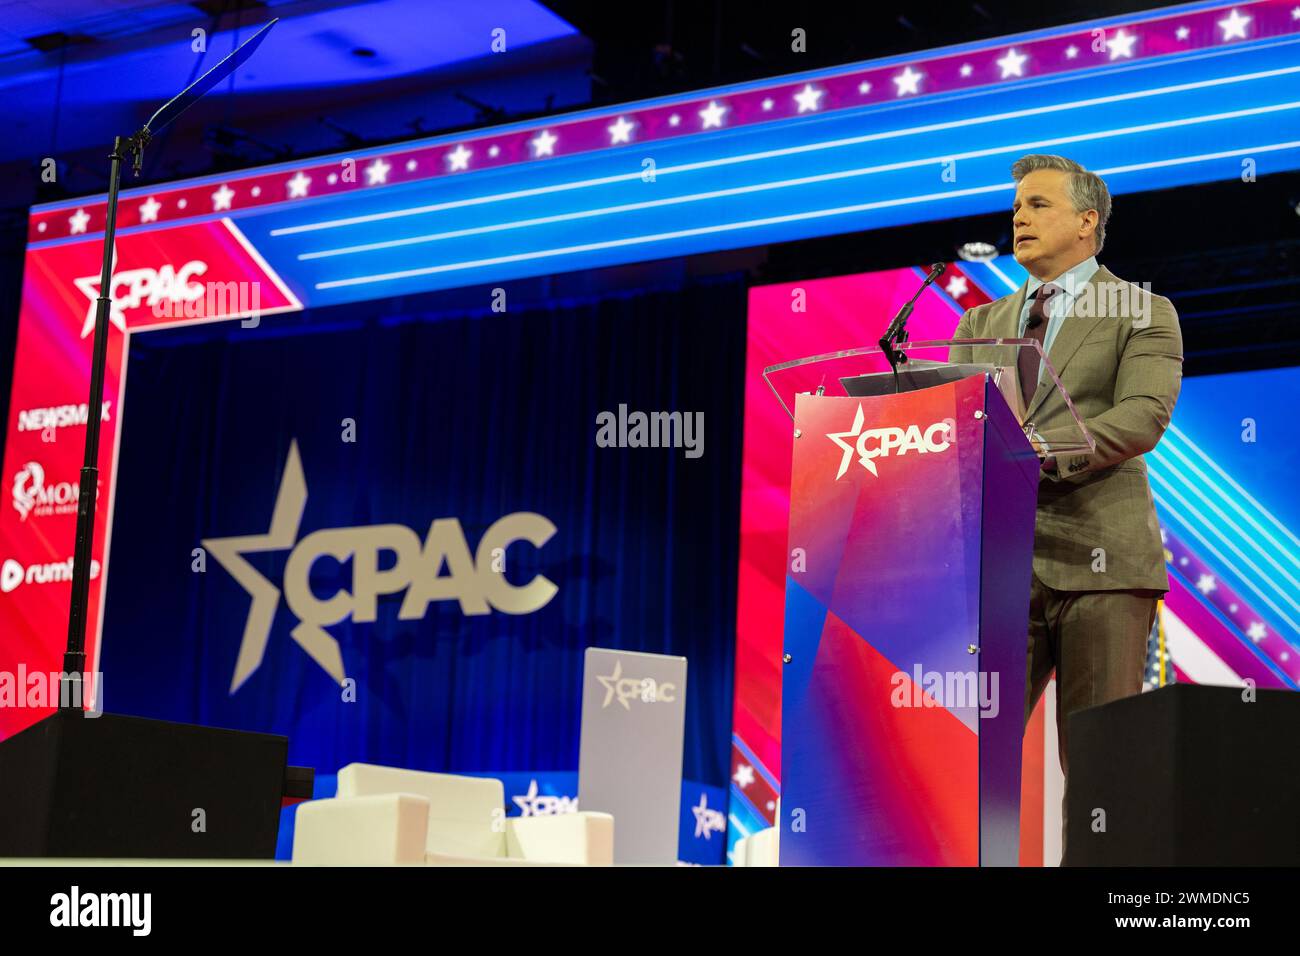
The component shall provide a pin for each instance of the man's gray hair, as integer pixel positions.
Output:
(1086, 190)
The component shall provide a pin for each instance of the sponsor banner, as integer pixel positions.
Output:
(199, 272)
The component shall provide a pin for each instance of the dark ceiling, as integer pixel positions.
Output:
(673, 45)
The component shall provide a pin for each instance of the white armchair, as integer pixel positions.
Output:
(760, 848)
(389, 816)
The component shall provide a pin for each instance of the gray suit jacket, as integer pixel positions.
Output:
(1119, 355)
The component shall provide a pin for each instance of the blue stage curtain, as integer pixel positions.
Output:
(472, 415)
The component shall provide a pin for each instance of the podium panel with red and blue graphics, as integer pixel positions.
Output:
(911, 541)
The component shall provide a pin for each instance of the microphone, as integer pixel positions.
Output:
(897, 329)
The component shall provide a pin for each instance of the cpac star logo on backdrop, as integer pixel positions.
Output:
(626, 689)
(477, 581)
(889, 441)
(534, 804)
(136, 287)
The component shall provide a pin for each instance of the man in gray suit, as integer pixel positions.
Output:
(1099, 565)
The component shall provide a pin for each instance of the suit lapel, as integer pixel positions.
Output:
(1004, 323)
(1007, 325)
(1070, 336)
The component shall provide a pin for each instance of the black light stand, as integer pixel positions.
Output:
(119, 786)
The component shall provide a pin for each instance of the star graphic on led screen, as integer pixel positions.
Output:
(957, 287)
(1206, 583)
(620, 131)
(1012, 64)
(221, 198)
(1295, 13)
(286, 517)
(966, 69)
(1256, 632)
(77, 221)
(544, 143)
(1234, 25)
(807, 98)
(1121, 45)
(744, 775)
(908, 81)
(1182, 33)
(1071, 52)
(149, 210)
(377, 172)
(298, 185)
(864, 87)
(458, 158)
(711, 115)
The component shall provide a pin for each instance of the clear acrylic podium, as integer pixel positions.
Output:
(912, 502)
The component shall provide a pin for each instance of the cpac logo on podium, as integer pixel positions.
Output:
(888, 441)
(477, 581)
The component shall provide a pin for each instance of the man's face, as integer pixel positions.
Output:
(1047, 232)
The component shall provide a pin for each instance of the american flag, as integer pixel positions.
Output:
(1159, 670)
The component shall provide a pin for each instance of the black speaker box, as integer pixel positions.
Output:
(1187, 775)
(115, 786)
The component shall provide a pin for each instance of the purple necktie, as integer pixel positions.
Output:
(1036, 328)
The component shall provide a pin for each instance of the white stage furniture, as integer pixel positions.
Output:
(384, 816)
